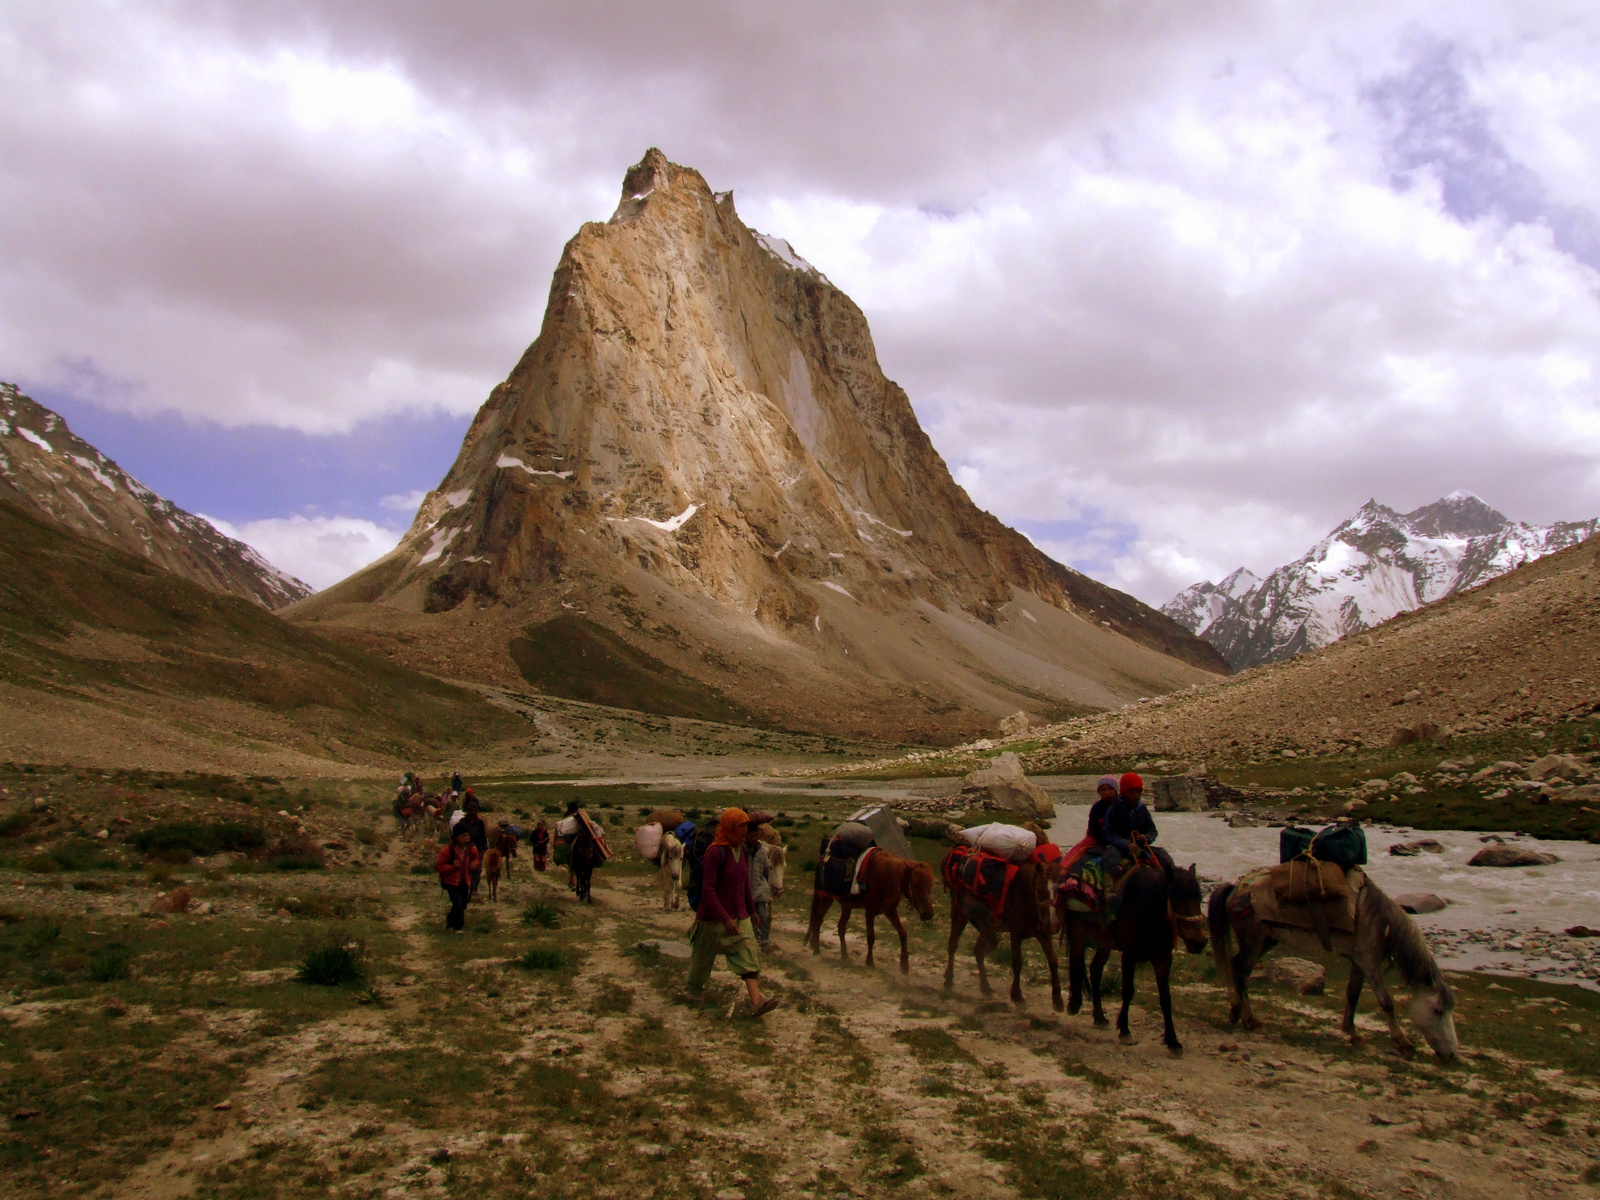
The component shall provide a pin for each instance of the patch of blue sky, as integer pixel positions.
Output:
(250, 473)
(1091, 542)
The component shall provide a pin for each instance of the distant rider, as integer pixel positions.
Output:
(1106, 790)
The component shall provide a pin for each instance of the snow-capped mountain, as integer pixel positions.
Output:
(50, 471)
(1375, 565)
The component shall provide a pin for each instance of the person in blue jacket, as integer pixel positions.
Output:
(1124, 818)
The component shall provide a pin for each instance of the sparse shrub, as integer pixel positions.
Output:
(93, 885)
(178, 841)
(16, 824)
(544, 958)
(296, 852)
(334, 962)
(366, 835)
(109, 963)
(544, 915)
(40, 864)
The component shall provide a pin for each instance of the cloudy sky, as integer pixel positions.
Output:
(1174, 286)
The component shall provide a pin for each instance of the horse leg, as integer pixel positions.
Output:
(1097, 967)
(893, 915)
(981, 950)
(1352, 996)
(1048, 944)
(1129, 966)
(872, 935)
(1380, 992)
(958, 925)
(1016, 967)
(1163, 968)
(821, 902)
(1244, 962)
(1075, 971)
(844, 919)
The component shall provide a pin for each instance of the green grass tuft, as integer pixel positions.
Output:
(544, 958)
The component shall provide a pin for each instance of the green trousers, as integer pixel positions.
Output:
(706, 941)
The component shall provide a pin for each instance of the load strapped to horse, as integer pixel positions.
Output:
(867, 861)
(1318, 897)
(586, 848)
(661, 841)
(1000, 876)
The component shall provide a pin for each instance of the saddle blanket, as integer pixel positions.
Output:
(1085, 885)
(1255, 894)
(840, 875)
(986, 876)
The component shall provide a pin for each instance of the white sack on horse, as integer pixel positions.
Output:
(567, 826)
(1010, 842)
(647, 841)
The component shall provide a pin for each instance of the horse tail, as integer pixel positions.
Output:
(1222, 936)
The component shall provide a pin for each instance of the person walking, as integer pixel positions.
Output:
(760, 880)
(478, 832)
(539, 843)
(723, 920)
(458, 862)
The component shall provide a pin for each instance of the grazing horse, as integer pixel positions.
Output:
(1383, 933)
(886, 879)
(492, 863)
(584, 857)
(1160, 904)
(1026, 914)
(669, 875)
(506, 842)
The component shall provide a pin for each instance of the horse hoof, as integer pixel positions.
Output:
(1074, 1008)
(1252, 1025)
(1057, 1003)
(1125, 1038)
(1101, 1022)
(1175, 1049)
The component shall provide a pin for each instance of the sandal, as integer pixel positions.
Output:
(767, 1006)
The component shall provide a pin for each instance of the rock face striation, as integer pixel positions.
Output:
(49, 471)
(700, 456)
(1375, 565)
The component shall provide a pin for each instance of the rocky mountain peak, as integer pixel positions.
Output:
(1460, 514)
(1371, 567)
(50, 472)
(703, 420)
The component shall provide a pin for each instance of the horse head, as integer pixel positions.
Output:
(1434, 1014)
(1184, 906)
(777, 859)
(918, 888)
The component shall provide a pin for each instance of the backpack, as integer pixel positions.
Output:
(694, 853)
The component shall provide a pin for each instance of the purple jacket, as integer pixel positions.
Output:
(725, 886)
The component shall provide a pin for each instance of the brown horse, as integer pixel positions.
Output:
(1026, 914)
(885, 881)
(1160, 905)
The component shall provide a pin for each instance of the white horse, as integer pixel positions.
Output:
(776, 857)
(669, 876)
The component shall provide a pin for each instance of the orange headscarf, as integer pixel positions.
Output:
(730, 829)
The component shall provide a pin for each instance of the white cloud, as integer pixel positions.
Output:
(405, 502)
(319, 550)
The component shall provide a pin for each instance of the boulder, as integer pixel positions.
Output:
(1584, 793)
(177, 900)
(1002, 785)
(1556, 766)
(1306, 977)
(1016, 723)
(665, 948)
(1412, 849)
(1581, 931)
(1422, 902)
(1176, 793)
(1512, 856)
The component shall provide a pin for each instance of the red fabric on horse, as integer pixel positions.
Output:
(1074, 856)
(986, 876)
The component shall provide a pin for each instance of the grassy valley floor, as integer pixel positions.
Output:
(548, 1052)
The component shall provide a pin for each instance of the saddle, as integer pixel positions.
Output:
(840, 868)
(1302, 895)
(984, 876)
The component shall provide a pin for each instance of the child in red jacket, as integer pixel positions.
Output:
(457, 861)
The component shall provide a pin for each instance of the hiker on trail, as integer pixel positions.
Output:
(722, 922)
(478, 832)
(1106, 790)
(458, 863)
(760, 867)
(1126, 816)
(539, 843)
(455, 782)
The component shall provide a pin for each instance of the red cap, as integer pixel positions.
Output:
(1131, 782)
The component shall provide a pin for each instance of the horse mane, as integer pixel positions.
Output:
(1403, 942)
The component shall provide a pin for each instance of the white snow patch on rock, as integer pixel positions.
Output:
(36, 440)
(505, 460)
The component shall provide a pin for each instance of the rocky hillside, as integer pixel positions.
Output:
(109, 661)
(1516, 653)
(1373, 566)
(48, 470)
(700, 456)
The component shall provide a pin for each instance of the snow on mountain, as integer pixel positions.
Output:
(1372, 567)
(48, 470)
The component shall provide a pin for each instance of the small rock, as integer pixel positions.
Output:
(104, 833)
(1581, 931)
(1556, 766)
(650, 1150)
(1377, 1118)
(730, 1194)
(26, 1114)
(1422, 902)
(177, 900)
(441, 1155)
(1511, 856)
(665, 949)
(1420, 846)
(223, 1105)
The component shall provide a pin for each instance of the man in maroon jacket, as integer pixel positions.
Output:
(458, 859)
(722, 921)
